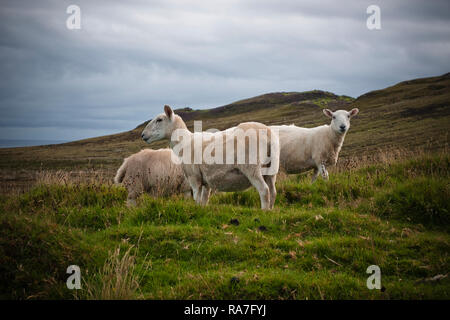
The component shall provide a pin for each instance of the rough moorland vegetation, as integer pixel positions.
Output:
(386, 204)
(316, 244)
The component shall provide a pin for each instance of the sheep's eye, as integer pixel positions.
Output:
(348, 116)
(158, 120)
(334, 117)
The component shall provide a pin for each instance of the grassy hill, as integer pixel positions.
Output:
(386, 204)
(409, 114)
(316, 244)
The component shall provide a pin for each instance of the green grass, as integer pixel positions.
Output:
(316, 244)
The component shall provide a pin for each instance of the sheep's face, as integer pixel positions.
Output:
(160, 127)
(340, 119)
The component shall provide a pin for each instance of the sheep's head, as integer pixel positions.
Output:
(162, 126)
(340, 119)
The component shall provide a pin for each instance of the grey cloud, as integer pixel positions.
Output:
(132, 57)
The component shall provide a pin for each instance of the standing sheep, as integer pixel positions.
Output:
(223, 176)
(151, 171)
(306, 148)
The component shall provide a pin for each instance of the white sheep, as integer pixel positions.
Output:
(205, 176)
(306, 148)
(153, 172)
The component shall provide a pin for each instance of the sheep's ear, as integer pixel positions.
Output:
(328, 113)
(168, 111)
(354, 112)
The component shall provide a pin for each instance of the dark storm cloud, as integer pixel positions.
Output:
(132, 57)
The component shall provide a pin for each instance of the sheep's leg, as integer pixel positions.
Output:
(197, 194)
(206, 192)
(257, 180)
(270, 180)
(135, 188)
(196, 186)
(323, 171)
(131, 199)
(131, 202)
(315, 175)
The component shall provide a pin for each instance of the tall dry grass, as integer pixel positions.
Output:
(119, 277)
(19, 182)
(62, 177)
(385, 156)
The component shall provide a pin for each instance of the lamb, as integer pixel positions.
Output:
(205, 176)
(151, 171)
(306, 148)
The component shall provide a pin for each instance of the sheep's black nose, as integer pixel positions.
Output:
(342, 127)
(142, 136)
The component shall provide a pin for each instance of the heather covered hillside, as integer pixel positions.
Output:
(410, 114)
(386, 204)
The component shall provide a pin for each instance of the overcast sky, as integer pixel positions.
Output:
(131, 57)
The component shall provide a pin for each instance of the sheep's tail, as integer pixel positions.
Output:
(121, 173)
